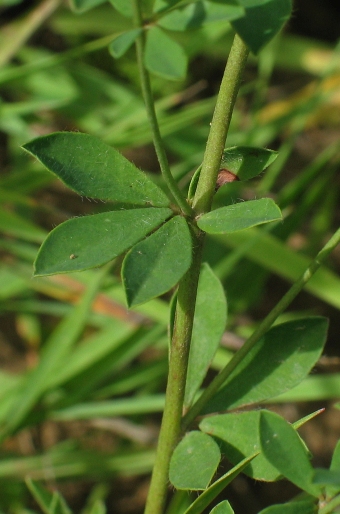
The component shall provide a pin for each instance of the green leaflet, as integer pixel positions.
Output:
(239, 216)
(194, 462)
(91, 168)
(209, 324)
(156, 264)
(83, 243)
(164, 56)
(295, 344)
(262, 22)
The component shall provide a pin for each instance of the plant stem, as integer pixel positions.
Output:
(174, 397)
(214, 386)
(219, 126)
(185, 308)
(150, 109)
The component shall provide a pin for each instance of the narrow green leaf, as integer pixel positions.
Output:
(209, 324)
(194, 462)
(204, 500)
(294, 345)
(123, 7)
(91, 168)
(302, 421)
(283, 447)
(239, 216)
(313, 388)
(108, 409)
(163, 56)
(293, 507)
(274, 255)
(122, 43)
(197, 14)
(155, 265)
(82, 243)
(332, 490)
(247, 162)
(238, 436)
(15, 225)
(222, 508)
(56, 348)
(50, 503)
(67, 462)
(262, 22)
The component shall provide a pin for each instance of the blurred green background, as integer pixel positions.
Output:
(82, 378)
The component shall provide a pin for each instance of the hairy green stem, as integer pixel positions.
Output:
(214, 386)
(219, 126)
(150, 109)
(185, 308)
(174, 397)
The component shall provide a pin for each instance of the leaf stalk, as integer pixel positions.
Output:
(152, 117)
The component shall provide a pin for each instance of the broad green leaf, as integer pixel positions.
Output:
(163, 56)
(91, 168)
(240, 216)
(122, 43)
(155, 265)
(50, 503)
(197, 14)
(194, 462)
(204, 500)
(247, 162)
(293, 345)
(238, 436)
(209, 324)
(85, 5)
(222, 508)
(90, 241)
(284, 449)
(262, 22)
(123, 6)
(293, 507)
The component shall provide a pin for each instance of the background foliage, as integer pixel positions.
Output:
(86, 417)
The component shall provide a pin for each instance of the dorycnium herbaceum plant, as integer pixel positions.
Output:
(161, 233)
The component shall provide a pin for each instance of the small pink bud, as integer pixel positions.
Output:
(225, 176)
